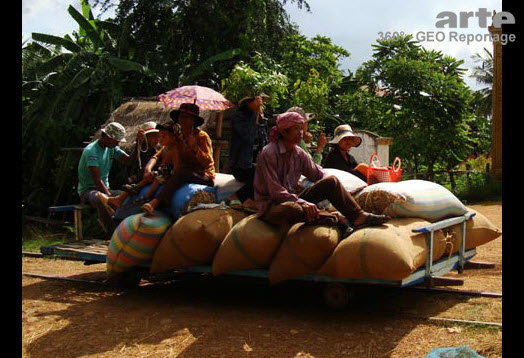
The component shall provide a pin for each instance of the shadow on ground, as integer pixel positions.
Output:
(213, 318)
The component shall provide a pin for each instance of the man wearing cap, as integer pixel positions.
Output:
(244, 136)
(93, 171)
(195, 156)
(278, 196)
(322, 141)
(339, 158)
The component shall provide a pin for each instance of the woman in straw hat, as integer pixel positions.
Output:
(339, 158)
(195, 156)
(278, 196)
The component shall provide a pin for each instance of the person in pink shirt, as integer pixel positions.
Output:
(279, 198)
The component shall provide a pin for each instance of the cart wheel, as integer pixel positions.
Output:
(337, 295)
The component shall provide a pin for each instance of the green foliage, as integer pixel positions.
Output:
(66, 96)
(250, 80)
(424, 103)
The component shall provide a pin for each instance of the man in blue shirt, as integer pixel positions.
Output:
(93, 172)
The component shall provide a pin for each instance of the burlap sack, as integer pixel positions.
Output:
(303, 251)
(194, 238)
(479, 231)
(250, 244)
(389, 252)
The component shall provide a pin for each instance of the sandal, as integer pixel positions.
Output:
(131, 188)
(103, 200)
(373, 220)
(235, 204)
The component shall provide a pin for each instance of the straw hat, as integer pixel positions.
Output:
(343, 131)
(264, 96)
(149, 127)
(299, 110)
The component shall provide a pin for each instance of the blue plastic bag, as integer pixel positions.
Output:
(184, 194)
(178, 201)
(460, 352)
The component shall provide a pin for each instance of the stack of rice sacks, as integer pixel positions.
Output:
(230, 241)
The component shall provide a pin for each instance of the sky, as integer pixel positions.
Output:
(352, 24)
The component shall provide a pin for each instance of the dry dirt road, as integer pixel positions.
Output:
(248, 320)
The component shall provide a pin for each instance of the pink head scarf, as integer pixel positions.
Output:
(284, 121)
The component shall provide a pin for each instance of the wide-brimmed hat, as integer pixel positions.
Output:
(299, 110)
(149, 127)
(166, 126)
(116, 131)
(343, 131)
(246, 99)
(188, 108)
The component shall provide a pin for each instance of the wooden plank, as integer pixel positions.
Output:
(464, 321)
(444, 281)
(478, 265)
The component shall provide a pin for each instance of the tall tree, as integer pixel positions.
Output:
(424, 102)
(69, 86)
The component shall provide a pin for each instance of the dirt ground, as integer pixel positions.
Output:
(213, 318)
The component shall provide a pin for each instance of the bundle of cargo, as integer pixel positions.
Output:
(303, 251)
(194, 238)
(134, 242)
(389, 252)
(250, 244)
(186, 196)
(411, 199)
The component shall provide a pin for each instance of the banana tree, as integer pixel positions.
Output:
(70, 84)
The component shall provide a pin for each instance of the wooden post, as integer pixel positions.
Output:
(496, 119)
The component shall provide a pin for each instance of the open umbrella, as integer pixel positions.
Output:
(206, 98)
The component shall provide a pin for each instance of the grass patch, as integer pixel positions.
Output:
(35, 235)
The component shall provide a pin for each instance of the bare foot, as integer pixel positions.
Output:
(150, 207)
(115, 201)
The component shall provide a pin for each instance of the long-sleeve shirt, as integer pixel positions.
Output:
(278, 173)
(334, 159)
(243, 135)
(201, 161)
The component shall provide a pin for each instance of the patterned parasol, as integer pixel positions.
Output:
(206, 98)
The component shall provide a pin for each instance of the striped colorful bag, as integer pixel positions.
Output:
(134, 242)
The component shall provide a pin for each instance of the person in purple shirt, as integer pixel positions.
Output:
(279, 198)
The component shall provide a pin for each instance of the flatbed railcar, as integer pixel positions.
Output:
(337, 292)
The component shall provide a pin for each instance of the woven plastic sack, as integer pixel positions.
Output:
(186, 196)
(303, 251)
(388, 252)
(134, 242)
(460, 352)
(191, 194)
(194, 238)
(349, 181)
(423, 199)
(225, 185)
(250, 244)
